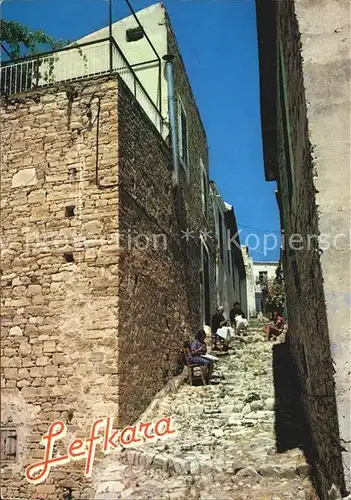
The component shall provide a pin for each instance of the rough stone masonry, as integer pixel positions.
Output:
(85, 315)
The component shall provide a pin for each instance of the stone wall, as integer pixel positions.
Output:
(160, 294)
(158, 308)
(99, 288)
(59, 350)
(314, 191)
(190, 179)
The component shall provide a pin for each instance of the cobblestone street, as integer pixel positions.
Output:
(226, 442)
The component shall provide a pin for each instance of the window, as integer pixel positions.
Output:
(204, 188)
(69, 211)
(134, 34)
(8, 444)
(183, 135)
(220, 234)
(263, 277)
(206, 286)
(233, 265)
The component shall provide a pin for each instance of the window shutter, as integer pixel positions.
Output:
(8, 444)
(180, 129)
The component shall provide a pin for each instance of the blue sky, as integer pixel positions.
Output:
(217, 39)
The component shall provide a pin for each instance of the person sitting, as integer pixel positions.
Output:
(197, 348)
(238, 318)
(273, 331)
(218, 320)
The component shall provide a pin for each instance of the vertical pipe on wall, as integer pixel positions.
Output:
(110, 34)
(172, 115)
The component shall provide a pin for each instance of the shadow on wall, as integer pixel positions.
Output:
(290, 425)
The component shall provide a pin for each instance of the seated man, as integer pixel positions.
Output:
(218, 321)
(197, 348)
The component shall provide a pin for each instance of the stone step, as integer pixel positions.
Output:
(194, 467)
(226, 445)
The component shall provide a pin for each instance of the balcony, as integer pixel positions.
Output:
(77, 62)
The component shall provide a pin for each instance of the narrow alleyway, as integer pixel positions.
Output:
(228, 434)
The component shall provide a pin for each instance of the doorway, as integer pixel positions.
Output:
(206, 299)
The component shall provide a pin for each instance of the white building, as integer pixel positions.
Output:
(230, 269)
(250, 282)
(265, 270)
(263, 273)
(135, 52)
(257, 273)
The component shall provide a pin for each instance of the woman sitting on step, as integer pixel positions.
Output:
(197, 348)
(273, 331)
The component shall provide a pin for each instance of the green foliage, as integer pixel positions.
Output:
(17, 36)
(18, 40)
(276, 296)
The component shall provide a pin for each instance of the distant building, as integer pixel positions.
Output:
(264, 272)
(250, 282)
(258, 275)
(106, 264)
(230, 268)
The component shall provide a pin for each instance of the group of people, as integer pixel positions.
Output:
(198, 348)
(237, 321)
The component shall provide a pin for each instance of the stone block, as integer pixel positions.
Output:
(34, 290)
(146, 459)
(50, 371)
(256, 405)
(24, 349)
(269, 404)
(14, 362)
(195, 468)
(42, 361)
(37, 196)
(25, 177)
(23, 373)
(180, 466)
(11, 373)
(59, 359)
(248, 473)
(38, 299)
(16, 331)
(278, 471)
(49, 347)
(161, 461)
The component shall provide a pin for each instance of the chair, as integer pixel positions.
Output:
(219, 343)
(192, 366)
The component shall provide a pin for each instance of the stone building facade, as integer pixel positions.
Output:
(100, 285)
(99, 290)
(230, 269)
(305, 110)
(250, 282)
(264, 273)
(145, 54)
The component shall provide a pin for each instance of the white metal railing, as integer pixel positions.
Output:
(74, 63)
